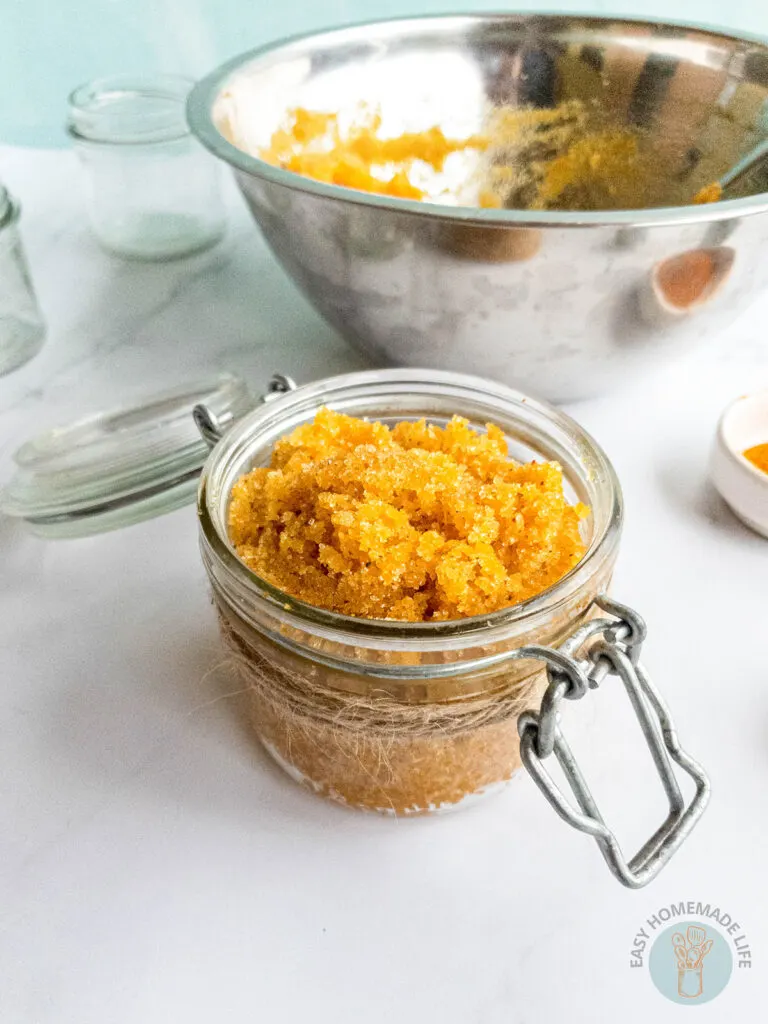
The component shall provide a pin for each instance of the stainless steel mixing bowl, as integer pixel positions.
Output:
(561, 304)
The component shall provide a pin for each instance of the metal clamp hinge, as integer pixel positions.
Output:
(601, 648)
(212, 427)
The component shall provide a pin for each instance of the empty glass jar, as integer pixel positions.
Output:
(21, 325)
(153, 192)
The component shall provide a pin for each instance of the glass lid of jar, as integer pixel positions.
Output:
(117, 468)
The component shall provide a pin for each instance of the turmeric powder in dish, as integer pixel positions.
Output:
(758, 456)
(415, 522)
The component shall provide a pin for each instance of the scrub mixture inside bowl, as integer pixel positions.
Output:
(563, 157)
(523, 158)
(528, 114)
(519, 112)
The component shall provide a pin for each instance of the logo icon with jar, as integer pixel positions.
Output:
(690, 950)
(690, 962)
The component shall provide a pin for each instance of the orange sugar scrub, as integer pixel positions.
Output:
(758, 456)
(415, 522)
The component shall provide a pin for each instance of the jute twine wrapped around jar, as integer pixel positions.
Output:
(364, 748)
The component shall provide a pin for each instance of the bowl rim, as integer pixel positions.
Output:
(204, 94)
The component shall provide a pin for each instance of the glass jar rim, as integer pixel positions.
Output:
(231, 456)
(129, 109)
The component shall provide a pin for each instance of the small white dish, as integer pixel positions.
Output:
(743, 486)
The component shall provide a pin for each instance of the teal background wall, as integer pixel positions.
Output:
(49, 46)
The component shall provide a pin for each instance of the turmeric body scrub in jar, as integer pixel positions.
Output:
(402, 696)
(410, 596)
(385, 494)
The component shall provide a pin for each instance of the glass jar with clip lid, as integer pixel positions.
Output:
(389, 716)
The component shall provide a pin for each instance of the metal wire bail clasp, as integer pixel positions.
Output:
(212, 428)
(602, 648)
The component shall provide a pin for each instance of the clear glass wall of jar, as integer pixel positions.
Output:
(153, 192)
(396, 717)
(22, 328)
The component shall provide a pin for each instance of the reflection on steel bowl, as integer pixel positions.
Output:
(562, 303)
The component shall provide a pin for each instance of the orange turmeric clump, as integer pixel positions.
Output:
(758, 456)
(311, 143)
(711, 193)
(417, 522)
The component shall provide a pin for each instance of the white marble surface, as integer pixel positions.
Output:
(156, 867)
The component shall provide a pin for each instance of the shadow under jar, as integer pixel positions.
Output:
(412, 718)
